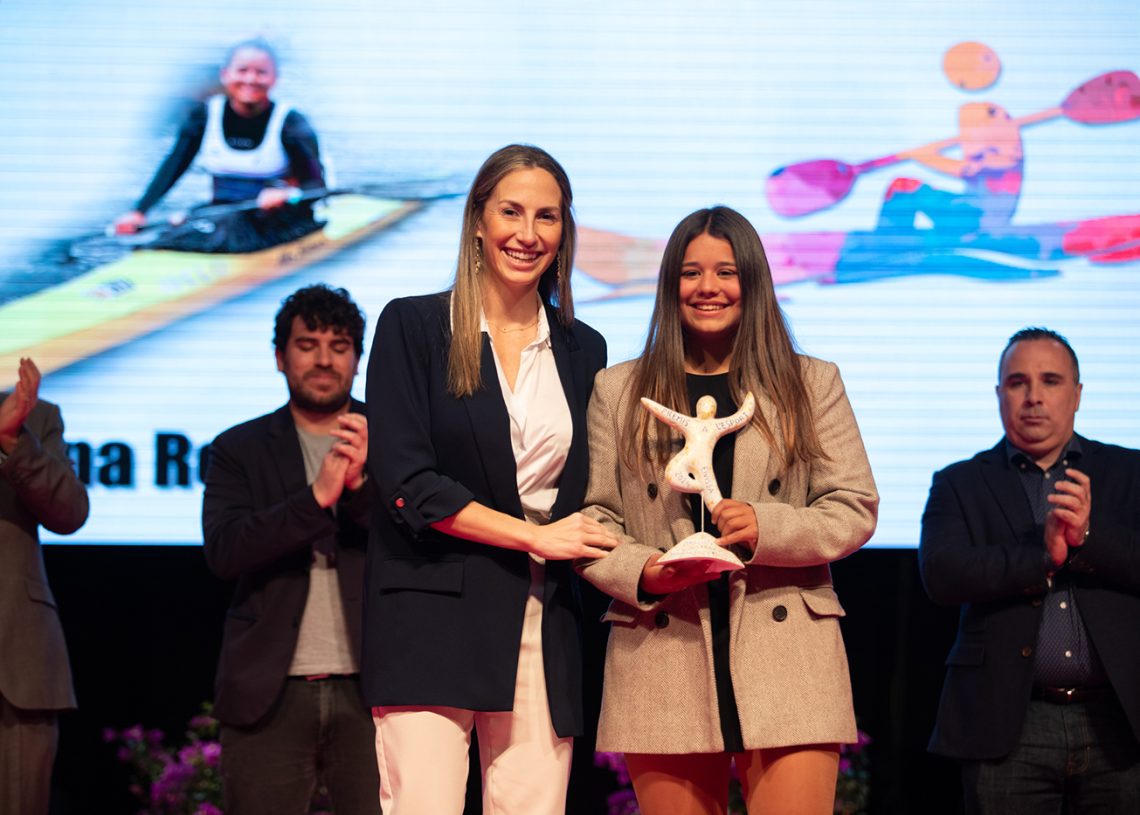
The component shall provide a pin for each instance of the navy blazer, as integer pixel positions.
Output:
(260, 521)
(443, 616)
(982, 548)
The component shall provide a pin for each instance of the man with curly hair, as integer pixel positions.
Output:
(285, 515)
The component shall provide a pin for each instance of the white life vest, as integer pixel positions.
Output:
(267, 161)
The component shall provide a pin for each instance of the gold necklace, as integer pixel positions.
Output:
(502, 330)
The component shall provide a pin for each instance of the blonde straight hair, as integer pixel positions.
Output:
(464, 370)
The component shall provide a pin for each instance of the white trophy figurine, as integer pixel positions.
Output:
(691, 470)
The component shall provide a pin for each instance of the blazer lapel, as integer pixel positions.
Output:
(1004, 483)
(286, 457)
(1090, 463)
(751, 456)
(491, 431)
(568, 360)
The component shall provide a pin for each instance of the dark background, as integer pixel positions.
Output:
(144, 625)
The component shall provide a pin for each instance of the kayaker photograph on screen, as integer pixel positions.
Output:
(925, 181)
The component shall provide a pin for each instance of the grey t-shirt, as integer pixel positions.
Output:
(322, 642)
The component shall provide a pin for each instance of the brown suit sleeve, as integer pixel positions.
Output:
(41, 476)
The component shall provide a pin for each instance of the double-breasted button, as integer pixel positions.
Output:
(773, 486)
(779, 614)
(651, 491)
(400, 503)
(1027, 651)
(661, 619)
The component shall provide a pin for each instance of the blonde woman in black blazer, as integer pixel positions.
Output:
(478, 398)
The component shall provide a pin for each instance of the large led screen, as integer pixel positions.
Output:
(928, 178)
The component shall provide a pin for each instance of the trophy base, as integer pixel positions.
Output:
(702, 548)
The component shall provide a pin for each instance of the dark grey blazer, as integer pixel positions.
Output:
(443, 616)
(981, 548)
(38, 487)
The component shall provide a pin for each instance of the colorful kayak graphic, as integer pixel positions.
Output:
(922, 229)
(148, 289)
(629, 265)
(989, 140)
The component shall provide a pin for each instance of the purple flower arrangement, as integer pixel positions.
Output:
(166, 780)
(181, 780)
(852, 788)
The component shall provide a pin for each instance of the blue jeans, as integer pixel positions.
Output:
(1076, 759)
(318, 730)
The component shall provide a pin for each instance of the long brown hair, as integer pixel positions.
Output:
(764, 358)
(464, 355)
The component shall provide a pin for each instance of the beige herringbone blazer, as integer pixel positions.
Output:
(787, 660)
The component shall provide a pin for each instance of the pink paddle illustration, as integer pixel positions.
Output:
(810, 186)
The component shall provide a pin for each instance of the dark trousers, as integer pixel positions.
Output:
(318, 731)
(28, 740)
(1074, 759)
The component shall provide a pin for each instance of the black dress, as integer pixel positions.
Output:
(716, 386)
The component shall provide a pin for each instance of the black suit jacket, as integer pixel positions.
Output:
(443, 616)
(260, 522)
(982, 548)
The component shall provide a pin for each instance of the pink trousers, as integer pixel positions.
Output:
(423, 751)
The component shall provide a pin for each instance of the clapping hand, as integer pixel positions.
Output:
(18, 404)
(343, 465)
(1067, 523)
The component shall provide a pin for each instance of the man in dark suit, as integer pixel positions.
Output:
(285, 514)
(1042, 694)
(38, 487)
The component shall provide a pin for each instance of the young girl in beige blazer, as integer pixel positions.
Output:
(703, 669)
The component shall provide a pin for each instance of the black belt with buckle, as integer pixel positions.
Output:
(1067, 696)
